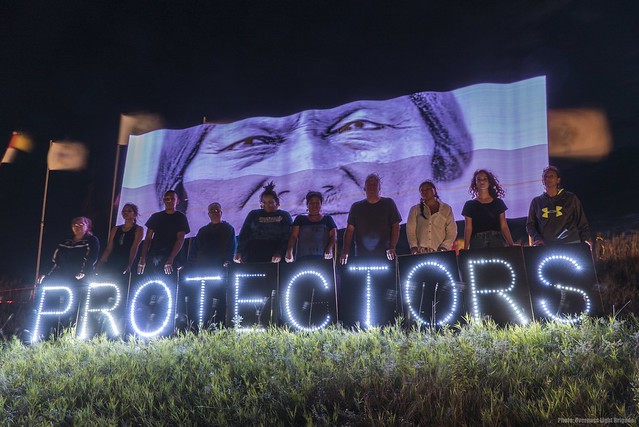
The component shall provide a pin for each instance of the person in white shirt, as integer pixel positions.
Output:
(430, 225)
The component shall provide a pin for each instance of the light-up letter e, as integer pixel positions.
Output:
(502, 292)
(559, 317)
(238, 301)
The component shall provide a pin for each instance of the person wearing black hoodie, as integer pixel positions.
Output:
(556, 216)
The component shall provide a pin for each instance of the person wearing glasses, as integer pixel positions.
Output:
(214, 244)
(76, 257)
(265, 232)
(164, 236)
(123, 244)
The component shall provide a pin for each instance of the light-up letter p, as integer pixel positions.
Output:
(35, 336)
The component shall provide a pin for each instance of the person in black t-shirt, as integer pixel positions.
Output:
(486, 225)
(164, 236)
(123, 243)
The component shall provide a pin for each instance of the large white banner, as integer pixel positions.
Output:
(442, 136)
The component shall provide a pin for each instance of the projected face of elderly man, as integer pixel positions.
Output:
(402, 140)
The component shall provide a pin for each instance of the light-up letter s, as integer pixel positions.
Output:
(287, 301)
(502, 293)
(36, 329)
(104, 311)
(544, 305)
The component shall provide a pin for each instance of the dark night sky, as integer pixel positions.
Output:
(69, 68)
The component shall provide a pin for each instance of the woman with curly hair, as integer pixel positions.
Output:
(485, 214)
(265, 233)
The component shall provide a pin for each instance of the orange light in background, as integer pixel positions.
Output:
(578, 133)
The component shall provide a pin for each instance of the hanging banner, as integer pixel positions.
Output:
(444, 136)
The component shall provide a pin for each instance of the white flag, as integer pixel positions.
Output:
(137, 124)
(67, 156)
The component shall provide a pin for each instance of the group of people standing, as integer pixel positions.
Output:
(269, 233)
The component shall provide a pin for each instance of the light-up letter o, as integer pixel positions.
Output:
(437, 266)
(134, 322)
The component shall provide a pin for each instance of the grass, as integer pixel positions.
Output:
(466, 375)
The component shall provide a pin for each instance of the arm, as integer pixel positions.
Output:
(145, 250)
(291, 243)
(107, 252)
(230, 246)
(531, 226)
(287, 221)
(391, 252)
(411, 230)
(134, 249)
(348, 238)
(244, 237)
(505, 230)
(179, 241)
(468, 231)
(332, 240)
(451, 232)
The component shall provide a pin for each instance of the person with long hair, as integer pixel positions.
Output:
(315, 234)
(123, 243)
(556, 216)
(485, 214)
(265, 232)
(430, 225)
(76, 257)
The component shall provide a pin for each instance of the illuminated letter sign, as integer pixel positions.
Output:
(252, 296)
(496, 279)
(151, 308)
(430, 288)
(208, 299)
(105, 299)
(55, 301)
(308, 294)
(561, 279)
(368, 292)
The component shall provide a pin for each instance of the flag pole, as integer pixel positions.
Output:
(115, 179)
(44, 209)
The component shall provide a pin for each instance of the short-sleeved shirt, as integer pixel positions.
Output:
(485, 216)
(313, 236)
(373, 223)
(165, 228)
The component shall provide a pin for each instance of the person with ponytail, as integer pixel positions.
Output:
(123, 243)
(430, 226)
(265, 233)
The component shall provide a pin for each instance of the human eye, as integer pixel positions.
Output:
(354, 125)
(253, 141)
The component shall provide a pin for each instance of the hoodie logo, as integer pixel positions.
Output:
(557, 211)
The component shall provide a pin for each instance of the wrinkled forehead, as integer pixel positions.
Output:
(319, 122)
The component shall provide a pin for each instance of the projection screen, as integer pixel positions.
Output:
(443, 136)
